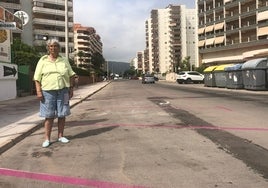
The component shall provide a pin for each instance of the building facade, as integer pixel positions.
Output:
(232, 30)
(86, 42)
(46, 19)
(171, 36)
(192, 37)
(140, 62)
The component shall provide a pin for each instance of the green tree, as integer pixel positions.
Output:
(185, 64)
(97, 62)
(23, 54)
(130, 72)
(201, 68)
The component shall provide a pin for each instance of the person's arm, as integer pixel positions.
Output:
(38, 90)
(71, 89)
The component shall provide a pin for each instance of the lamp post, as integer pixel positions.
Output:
(66, 31)
(107, 64)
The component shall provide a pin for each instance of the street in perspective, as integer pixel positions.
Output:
(129, 134)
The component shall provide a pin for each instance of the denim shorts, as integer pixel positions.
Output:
(55, 103)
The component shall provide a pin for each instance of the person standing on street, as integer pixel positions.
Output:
(54, 80)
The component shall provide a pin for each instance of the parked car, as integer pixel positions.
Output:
(148, 79)
(190, 77)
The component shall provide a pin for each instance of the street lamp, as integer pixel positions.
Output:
(107, 64)
(45, 37)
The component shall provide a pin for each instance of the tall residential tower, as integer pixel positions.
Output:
(171, 36)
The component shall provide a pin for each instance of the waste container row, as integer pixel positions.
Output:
(251, 75)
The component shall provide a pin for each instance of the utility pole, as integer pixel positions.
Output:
(66, 30)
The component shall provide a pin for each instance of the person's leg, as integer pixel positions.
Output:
(63, 110)
(48, 128)
(61, 124)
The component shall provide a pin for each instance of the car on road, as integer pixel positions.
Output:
(190, 77)
(148, 79)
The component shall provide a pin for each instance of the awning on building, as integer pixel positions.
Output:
(262, 16)
(229, 59)
(255, 53)
(222, 67)
(209, 28)
(226, 1)
(219, 26)
(219, 40)
(201, 43)
(262, 31)
(210, 41)
(201, 31)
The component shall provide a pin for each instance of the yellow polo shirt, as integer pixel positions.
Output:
(53, 75)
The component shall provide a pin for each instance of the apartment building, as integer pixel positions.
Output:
(171, 36)
(87, 41)
(46, 20)
(232, 31)
(140, 62)
(192, 37)
(148, 46)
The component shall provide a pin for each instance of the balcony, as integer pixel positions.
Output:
(49, 22)
(70, 3)
(51, 33)
(50, 11)
(83, 42)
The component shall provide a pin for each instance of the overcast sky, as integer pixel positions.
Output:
(120, 23)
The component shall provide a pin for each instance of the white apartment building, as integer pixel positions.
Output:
(148, 45)
(171, 37)
(192, 37)
(232, 31)
(140, 62)
(134, 63)
(47, 20)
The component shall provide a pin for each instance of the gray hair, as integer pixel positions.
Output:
(53, 41)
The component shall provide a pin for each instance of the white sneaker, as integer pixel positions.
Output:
(63, 140)
(45, 144)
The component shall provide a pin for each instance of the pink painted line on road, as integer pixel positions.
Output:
(229, 128)
(62, 179)
(224, 108)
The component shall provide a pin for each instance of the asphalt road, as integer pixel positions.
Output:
(150, 135)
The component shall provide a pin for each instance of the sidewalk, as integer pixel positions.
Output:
(20, 117)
